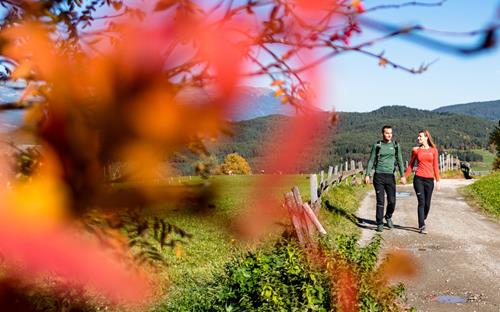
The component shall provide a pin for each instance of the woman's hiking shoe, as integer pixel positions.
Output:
(380, 227)
(390, 225)
(422, 230)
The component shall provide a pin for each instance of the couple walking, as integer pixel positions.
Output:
(385, 158)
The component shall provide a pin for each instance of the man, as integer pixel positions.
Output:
(385, 156)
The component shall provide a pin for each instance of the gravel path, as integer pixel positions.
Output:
(459, 258)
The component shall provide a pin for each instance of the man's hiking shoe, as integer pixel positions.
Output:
(422, 230)
(390, 225)
(380, 228)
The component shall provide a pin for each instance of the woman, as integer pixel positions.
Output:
(426, 156)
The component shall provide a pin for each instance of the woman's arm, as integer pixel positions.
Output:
(412, 161)
(436, 164)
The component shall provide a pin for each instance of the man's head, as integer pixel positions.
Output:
(387, 133)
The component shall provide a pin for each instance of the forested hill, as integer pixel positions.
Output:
(487, 110)
(355, 133)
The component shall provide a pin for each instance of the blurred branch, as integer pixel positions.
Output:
(487, 40)
(399, 6)
(15, 106)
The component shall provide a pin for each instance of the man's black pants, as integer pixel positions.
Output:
(423, 188)
(384, 183)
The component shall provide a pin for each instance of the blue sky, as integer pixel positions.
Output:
(357, 83)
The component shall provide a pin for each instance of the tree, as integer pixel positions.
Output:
(235, 164)
(495, 141)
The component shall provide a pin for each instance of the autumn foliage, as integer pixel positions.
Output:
(234, 163)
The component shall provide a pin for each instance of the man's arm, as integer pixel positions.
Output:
(369, 166)
(399, 157)
(400, 162)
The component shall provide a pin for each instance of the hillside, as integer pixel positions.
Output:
(355, 134)
(487, 110)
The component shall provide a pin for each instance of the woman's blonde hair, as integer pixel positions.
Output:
(430, 141)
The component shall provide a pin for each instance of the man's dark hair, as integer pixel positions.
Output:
(386, 127)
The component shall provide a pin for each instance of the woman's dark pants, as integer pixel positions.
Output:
(423, 188)
(384, 183)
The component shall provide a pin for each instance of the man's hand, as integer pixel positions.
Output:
(438, 185)
(403, 180)
(367, 180)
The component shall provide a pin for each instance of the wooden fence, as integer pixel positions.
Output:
(448, 162)
(304, 215)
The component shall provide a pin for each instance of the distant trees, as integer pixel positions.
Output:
(468, 156)
(355, 134)
(495, 142)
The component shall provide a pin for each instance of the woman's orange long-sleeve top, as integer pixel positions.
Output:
(428, 165)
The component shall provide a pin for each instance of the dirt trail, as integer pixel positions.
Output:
(459, 258)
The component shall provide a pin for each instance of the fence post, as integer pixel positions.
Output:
(314, 187)
(336, 170)
(291, 205)
(330, 172)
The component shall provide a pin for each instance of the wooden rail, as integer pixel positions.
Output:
(304, 215)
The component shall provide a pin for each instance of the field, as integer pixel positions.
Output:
(213, 243)
(487, 162)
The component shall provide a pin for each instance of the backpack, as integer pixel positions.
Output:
(378, 146)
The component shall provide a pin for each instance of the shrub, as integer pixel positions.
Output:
(289, 278)
(277, 280)
(235, 164)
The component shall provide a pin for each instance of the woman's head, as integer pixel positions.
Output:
(424, 137)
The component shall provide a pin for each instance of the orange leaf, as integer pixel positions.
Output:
(23, 70)
(382, 62)
(117, 5)
(278, 92)
(277, 83)
(163, 5)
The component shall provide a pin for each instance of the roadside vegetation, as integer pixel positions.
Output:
(486, 194)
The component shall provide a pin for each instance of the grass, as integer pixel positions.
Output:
(452, 174)
(213, 243)
(340, 206)
(486, 193)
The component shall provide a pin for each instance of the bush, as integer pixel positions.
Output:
(235, 164)
(373, 293)
(276, 280)
(289, 278)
